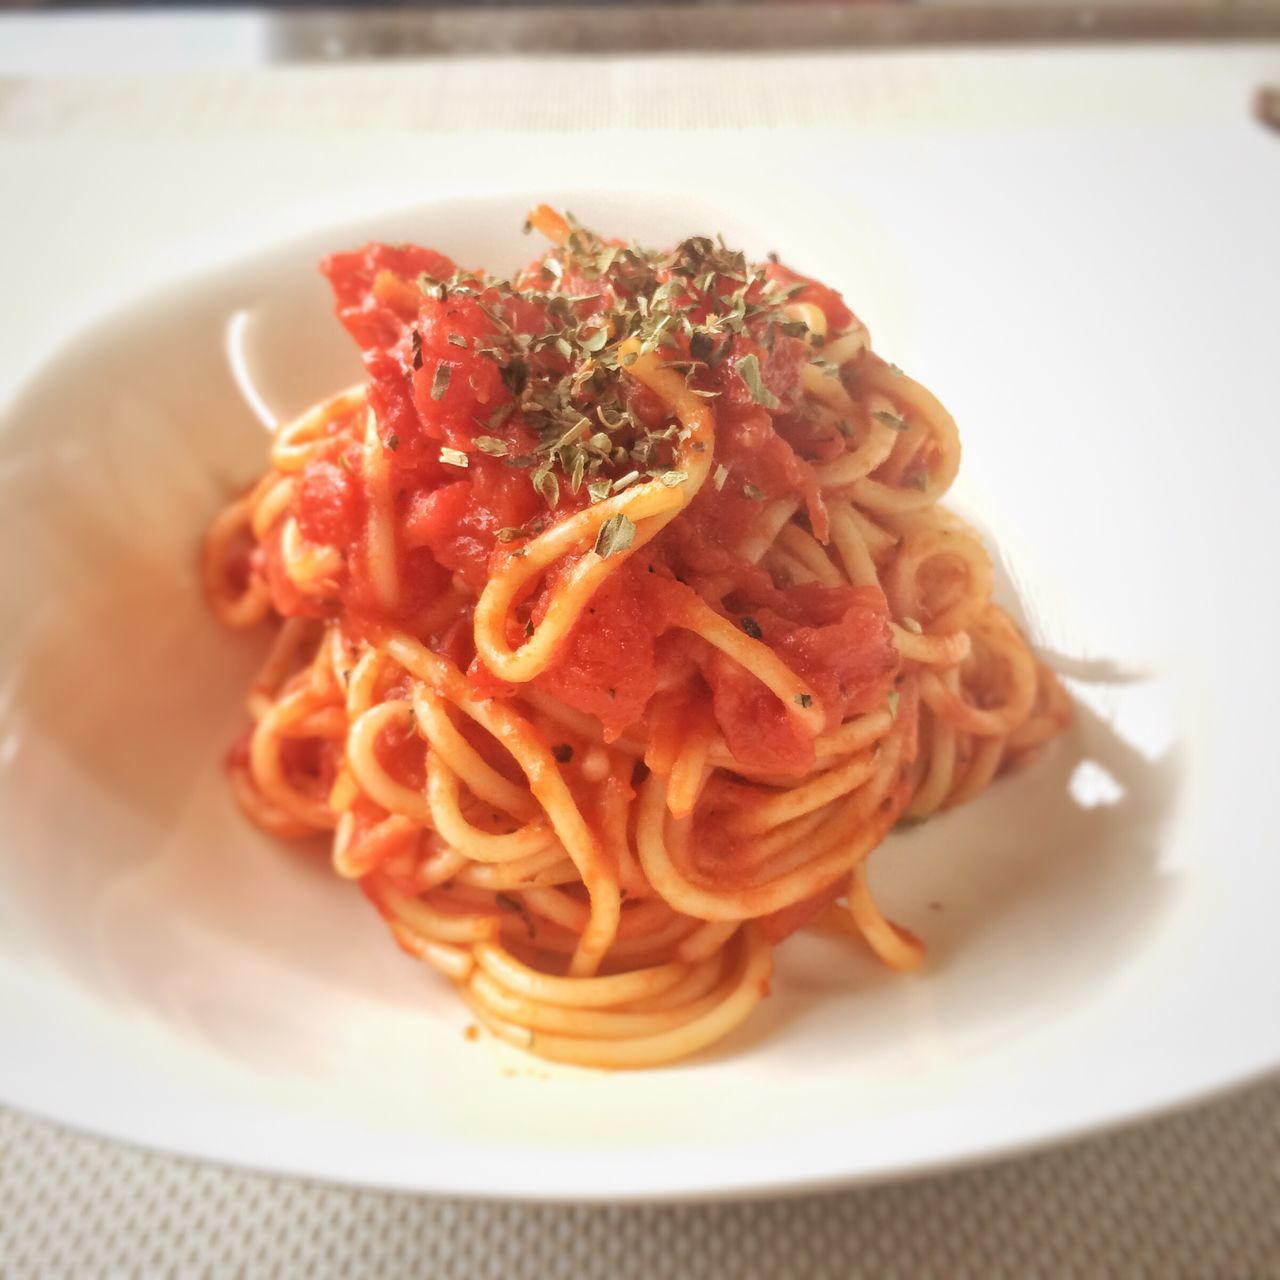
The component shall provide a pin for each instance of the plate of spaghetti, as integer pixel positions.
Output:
(618, 621)
(593, 726)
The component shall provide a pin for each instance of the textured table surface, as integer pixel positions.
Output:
(1195, 1194)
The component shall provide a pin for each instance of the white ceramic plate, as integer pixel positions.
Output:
(1102, 928)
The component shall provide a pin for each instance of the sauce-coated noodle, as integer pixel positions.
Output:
(618, 622)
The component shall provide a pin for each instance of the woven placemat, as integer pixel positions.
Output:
(1193, 1195)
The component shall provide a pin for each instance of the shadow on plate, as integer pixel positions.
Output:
(1037, 894)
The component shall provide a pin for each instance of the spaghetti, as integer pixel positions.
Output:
(616, 623)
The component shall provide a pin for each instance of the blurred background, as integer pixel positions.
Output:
(284, 32)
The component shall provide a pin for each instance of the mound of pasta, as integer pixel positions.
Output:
(616, 622)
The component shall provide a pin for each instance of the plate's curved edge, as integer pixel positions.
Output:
(593, 1184)
(120, 299)
(591, 1181)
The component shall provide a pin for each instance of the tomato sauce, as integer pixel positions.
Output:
(445, 393)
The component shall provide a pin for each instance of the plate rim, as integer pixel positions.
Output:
(589, 1167)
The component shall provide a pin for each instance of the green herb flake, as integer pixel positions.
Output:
(804, 699)
(749, 372)
(440, 383)
(754, 492)
(563, 752)
(515, 376)
(415, 348)
(508, 903)
(392, 442)
(598, 490)
(492, 445)
(546, 485)
(751, 627)
(616, 534)
(454, 457)
(456, 340)
(671, 479)
(887, 418)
